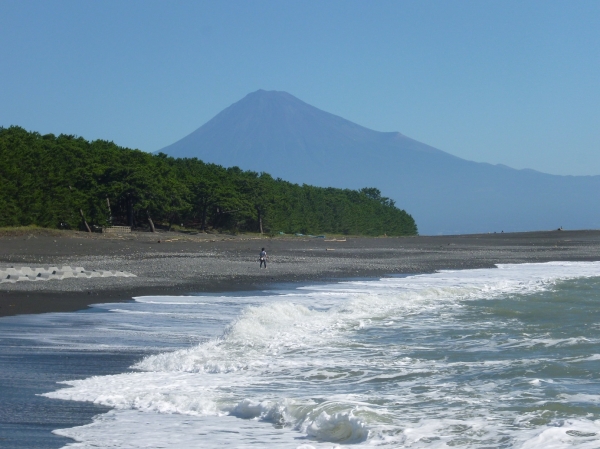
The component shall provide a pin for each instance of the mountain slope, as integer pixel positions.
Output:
(279, 134)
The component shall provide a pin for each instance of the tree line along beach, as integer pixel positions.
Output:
(67, 182)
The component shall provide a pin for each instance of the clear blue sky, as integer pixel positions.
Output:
(512, 82)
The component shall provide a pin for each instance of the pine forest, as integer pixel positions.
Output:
(68, 182)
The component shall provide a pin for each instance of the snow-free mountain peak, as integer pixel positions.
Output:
(277, 133)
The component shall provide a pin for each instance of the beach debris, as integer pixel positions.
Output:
(116, 230)
(12, 274)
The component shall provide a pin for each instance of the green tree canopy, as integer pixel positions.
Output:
(46, 180)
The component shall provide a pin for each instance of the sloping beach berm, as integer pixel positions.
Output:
(184, 264)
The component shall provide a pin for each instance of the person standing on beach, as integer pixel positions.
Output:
(263, 258)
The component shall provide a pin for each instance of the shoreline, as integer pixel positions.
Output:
(185, 264)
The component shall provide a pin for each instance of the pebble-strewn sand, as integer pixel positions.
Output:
(183, 264)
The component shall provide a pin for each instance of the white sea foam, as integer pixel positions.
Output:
(571, 433)
(398, 361)
(137, 430)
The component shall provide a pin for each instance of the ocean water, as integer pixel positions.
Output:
(491, 358)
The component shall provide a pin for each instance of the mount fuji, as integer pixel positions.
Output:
(275, 132)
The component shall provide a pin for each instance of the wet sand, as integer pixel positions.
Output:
(187, 264)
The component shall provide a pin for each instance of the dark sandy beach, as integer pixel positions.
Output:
(183, 264)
